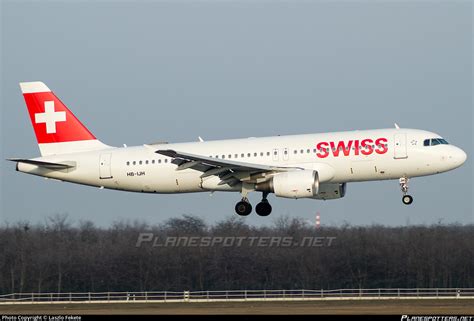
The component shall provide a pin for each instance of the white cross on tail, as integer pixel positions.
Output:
(50, 117)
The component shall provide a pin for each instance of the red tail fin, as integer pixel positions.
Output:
(54, 123)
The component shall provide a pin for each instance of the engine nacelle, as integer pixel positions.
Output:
(294, 184)
(331, 191)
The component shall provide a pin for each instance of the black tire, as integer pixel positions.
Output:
(263, 208)
(243, 208)
(407, 199)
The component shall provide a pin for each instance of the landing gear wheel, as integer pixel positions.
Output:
(407, 199)
(243, 208)
(263, 208)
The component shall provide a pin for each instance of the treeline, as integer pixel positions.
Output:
(61, 257)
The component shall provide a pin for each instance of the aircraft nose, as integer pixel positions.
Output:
(458, 156)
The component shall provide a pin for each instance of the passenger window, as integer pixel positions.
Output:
(159, 161)
(128, 163)
(242, 155)
(268, 153)
(134, 162)
(261, 153)
(153, 161)
(166, 160)
(248, 154)
(236, 155)
(140, 162)
(146, 162)
(230, 156)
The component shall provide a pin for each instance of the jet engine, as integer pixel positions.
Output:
(294, 184)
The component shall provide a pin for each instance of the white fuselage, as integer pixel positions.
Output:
(140, 169)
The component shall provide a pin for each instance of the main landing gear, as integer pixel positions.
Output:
(263, 208)
(406, 199)
(244, 208)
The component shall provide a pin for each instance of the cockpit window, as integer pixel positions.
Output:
(434, 141)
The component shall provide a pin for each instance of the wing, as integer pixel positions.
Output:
(230, 172)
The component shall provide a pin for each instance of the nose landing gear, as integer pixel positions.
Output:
(406, 199)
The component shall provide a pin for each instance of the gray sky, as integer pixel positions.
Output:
(139, 72)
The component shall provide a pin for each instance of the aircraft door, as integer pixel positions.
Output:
(400, 146)
(104, 166)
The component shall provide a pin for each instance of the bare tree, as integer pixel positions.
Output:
(61, 256)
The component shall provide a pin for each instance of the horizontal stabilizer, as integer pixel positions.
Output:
(47, 165)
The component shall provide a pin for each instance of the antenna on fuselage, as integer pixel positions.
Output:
(396, 126)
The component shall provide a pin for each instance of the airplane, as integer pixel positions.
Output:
(314, 166)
